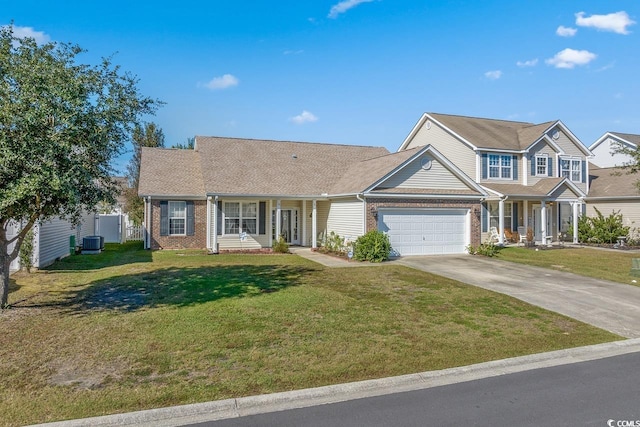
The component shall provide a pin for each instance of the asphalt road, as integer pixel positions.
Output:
(595, 393)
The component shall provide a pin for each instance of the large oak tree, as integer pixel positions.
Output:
(61, 124)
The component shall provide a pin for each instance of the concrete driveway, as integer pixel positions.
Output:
(607, 305)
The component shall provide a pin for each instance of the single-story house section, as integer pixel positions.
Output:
(612, 189)
(239, 194)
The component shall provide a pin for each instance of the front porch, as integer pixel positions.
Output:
(240, 223)
(542, 222)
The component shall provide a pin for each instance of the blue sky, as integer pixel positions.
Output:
(359, 71)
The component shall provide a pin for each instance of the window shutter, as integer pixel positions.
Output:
(485, 218)
(219, 216)
(533, 166)
(514, 217)
(514, 159)
(262, 213)
(191, 219)
(550, 167)
(584, 171)
(484, 166)
(164, 218)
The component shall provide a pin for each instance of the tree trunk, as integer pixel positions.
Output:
(5, 262)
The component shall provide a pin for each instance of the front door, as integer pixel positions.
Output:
(288, 225)
(537, 222)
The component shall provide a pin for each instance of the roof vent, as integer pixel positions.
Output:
(294, 156)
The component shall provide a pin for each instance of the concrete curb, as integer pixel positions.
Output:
(231, 408)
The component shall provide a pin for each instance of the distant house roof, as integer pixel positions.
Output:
(122, 182)
(629, 137)
(611, 183)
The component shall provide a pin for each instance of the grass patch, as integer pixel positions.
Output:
(599, 264)
(129, 330)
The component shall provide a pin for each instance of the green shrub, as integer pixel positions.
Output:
(332, 242)
(26, 252)
(373, 246)
(280, 246)
(487, 249)
(601, 229)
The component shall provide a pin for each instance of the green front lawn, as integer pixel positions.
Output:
(130, 329)
(600, 264)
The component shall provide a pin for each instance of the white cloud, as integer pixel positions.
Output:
(223, 82)
(24, 32)
(563, 31)
(304, 117)
(529, 63)
(493, 75)
(344, 6)
(569, 58)
(614, 22)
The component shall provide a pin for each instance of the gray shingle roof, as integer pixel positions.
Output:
(494, 134)
(540, 189)
(264, 167)
(170, 171)
(611, 182)
(634, 139)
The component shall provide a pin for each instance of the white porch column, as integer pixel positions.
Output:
(501, 222)
(278, 210)
(270, 227)
(543, 221)
(576, 206)
(147, 223)
(215, 225)
(209, 222)
(525, 216)
(314, 225)
(304, 223)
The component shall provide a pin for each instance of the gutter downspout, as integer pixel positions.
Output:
(215, 225)
(364, 213)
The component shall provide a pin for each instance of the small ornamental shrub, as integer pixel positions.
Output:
(373, 246)
(601, 229)
(488, 249)
(280, 246)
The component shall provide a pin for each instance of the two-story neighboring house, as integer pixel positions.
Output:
(535, 174)
(611, 190)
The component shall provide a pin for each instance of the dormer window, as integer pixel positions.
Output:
(542, 165)
(571, 169)
(500, 166)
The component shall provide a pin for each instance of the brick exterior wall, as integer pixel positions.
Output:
(197, 241)
(373, 205)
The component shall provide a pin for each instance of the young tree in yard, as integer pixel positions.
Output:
(61, 124)
(148, 136)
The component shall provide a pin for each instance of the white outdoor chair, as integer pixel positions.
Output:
(493, 234)
(522, 235)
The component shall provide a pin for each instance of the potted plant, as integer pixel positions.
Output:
(530, 242)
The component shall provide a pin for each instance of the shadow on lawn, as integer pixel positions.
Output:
(114, 254)
(182, 287)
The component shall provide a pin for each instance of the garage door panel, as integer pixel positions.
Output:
(426, 232)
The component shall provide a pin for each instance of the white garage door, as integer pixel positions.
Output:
(426, 232)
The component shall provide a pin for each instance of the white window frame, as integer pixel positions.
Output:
(546, 159)
(575, 166)
(243, 216)
(183, 217)
(493, 210)
(500, 168)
